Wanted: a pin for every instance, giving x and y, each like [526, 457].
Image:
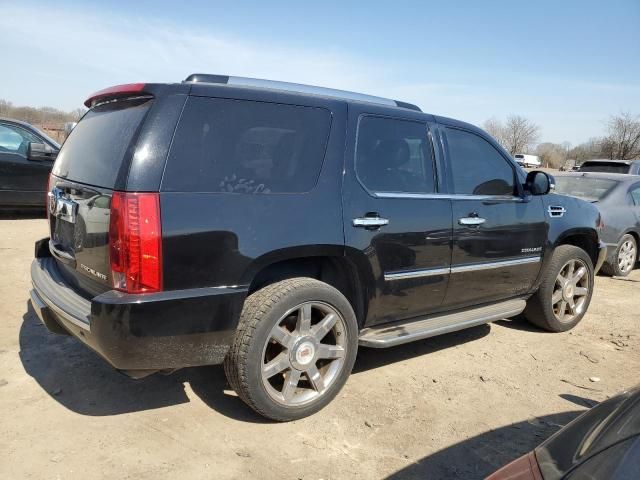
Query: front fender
[579, 218]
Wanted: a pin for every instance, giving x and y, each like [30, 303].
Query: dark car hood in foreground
[610, 422]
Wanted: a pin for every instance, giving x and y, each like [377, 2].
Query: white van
[527, 160]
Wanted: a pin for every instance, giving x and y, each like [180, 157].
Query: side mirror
[539, 183]
[41, 152]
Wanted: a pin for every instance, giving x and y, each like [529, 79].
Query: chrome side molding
[491, 265]
[416, 273]
[430, 272]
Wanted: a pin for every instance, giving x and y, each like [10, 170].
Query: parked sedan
[26, 158]
[603, 443]
[618, 199]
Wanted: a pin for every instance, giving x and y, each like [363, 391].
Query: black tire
[540, 308]
[613, 269]
[263, 310]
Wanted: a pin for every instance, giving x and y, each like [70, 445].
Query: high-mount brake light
[125, 90]
[135, 242]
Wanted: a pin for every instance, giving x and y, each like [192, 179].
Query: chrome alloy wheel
[571, 290]
[627, 254]
[304, 354]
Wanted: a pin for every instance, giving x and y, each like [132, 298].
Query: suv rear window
[242, 146]
[608, 167]
[96, 148]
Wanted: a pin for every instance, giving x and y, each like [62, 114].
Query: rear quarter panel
[224, 239]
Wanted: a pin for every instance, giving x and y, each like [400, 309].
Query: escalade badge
[531, 250]
[93, 272]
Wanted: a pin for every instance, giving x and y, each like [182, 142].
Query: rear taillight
[135, 242]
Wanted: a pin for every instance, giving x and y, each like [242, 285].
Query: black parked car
[274, 227]
[603, 443]
[618, 199]
[26, 158]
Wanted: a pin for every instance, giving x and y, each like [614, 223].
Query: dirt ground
[457, 406]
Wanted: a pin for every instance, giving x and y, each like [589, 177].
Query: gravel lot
[457, 406]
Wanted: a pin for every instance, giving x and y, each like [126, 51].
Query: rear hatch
[92, 163]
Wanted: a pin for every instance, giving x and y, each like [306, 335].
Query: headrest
[391, 153]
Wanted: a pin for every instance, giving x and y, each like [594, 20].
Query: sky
[566, 65]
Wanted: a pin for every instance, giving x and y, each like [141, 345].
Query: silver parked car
[618, 199]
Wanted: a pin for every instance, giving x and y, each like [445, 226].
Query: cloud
[88, 51]
[105, 49]
[83, 50]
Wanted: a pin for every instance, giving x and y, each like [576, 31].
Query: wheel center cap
[568, 291]
[305, 353]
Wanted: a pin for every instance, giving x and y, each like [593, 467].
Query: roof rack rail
[295, 87]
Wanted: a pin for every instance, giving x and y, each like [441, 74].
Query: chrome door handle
[471, 221]
[370, 222]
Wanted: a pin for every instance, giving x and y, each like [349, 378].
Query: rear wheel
[564, 295]
[294, 348]
[624, 258]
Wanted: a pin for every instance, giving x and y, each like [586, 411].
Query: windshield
[607, 167]
[591, 189]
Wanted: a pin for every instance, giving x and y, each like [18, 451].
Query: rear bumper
[602, 256]
[140, 333]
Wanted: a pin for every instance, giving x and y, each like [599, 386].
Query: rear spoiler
[125, 90]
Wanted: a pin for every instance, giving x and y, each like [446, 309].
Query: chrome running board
[397, 333]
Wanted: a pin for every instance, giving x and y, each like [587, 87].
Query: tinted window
[635, 194]
[608, 167]
[586, 188]
[394, 156]
[15, 140]
[96, 147]
[477, 168]
[240, 146]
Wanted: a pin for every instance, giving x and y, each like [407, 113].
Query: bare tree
[519, 134]
[587, 150]
[623, 139]
[77, 114]
[552, 154]
[494, 127]
[516, 135]
[38, 116]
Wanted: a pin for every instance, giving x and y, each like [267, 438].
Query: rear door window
[394, 155]
[97, 147]
[250, 147]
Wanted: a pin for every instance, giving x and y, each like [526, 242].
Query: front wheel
[565, 293]
[294, 348]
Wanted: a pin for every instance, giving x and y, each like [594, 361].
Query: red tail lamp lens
[135, 242]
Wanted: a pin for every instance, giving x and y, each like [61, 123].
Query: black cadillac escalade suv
[275, 227]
